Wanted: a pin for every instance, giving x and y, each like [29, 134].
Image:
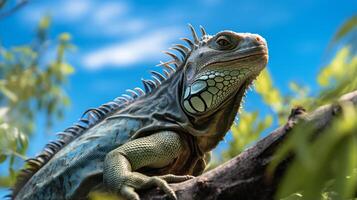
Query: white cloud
[143, 49]
[74, 10]
[65, 11]
[106, 18]
[127, 26]
[109, 12]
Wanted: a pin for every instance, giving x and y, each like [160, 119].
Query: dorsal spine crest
[93, 116]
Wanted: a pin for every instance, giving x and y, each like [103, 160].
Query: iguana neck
[222, 120]
[164, 110]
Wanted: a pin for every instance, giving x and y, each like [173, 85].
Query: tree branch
[244, 177]
[12, 10]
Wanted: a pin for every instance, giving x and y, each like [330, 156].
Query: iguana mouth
[260, 52]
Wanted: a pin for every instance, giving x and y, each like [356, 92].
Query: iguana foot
[136, 181]
[171, 178]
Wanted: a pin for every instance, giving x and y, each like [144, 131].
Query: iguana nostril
[258, 39]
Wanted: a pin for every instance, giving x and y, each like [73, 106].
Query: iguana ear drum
[210, 89]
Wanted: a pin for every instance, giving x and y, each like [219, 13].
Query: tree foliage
[31, 82]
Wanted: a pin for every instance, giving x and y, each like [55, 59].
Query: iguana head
[217, 72]
[219, 67]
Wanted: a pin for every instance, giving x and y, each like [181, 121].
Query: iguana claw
[136, 181]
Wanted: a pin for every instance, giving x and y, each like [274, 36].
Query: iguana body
[153, 137]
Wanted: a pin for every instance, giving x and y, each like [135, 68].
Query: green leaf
[44, 23]
[344, 169]
[346, 28]
[2, 158]
[29, 87]
[9, 94]
[335, 69]
[66, 69]
[65, 37]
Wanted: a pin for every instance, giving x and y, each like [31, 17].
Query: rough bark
[244, 177]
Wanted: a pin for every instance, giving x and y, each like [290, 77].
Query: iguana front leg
[155, 151]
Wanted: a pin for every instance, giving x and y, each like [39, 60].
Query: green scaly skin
[155, 151]
[156, 137]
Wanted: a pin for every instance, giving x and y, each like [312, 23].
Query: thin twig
[13, 9]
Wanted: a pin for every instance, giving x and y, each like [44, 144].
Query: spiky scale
[121, 99]
[66, 134]
[167, 74]
[179, 50]
[104, 109]
[130, 98]
[97, 113]
[80, 126]
[184, 48]
[52, 146]
[114, 104]
[34, 162]
[57, 143]
[140, 91]
[152, 84]
[158, 75]
[91, 115]
[167, 62]
[100, 111]
[194, 34]
[87, 111]
[41, 159]
[167, 66]
[176, 65]
[26, 171]
[34, 159]
[190, 43]
[203, 31]
[108, 106]
[44, 155]
[72, 129]
[84, 121]
[49, 151]
[133, 93]
[176, 59]
[156, 80]
[146, 85]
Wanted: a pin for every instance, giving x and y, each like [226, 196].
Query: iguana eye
[223, 41]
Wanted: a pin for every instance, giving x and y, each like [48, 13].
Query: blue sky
[119, 41]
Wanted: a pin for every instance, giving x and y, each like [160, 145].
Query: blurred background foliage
[31, 84]
[32, 81]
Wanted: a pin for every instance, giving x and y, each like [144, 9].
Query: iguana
[156, 136]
